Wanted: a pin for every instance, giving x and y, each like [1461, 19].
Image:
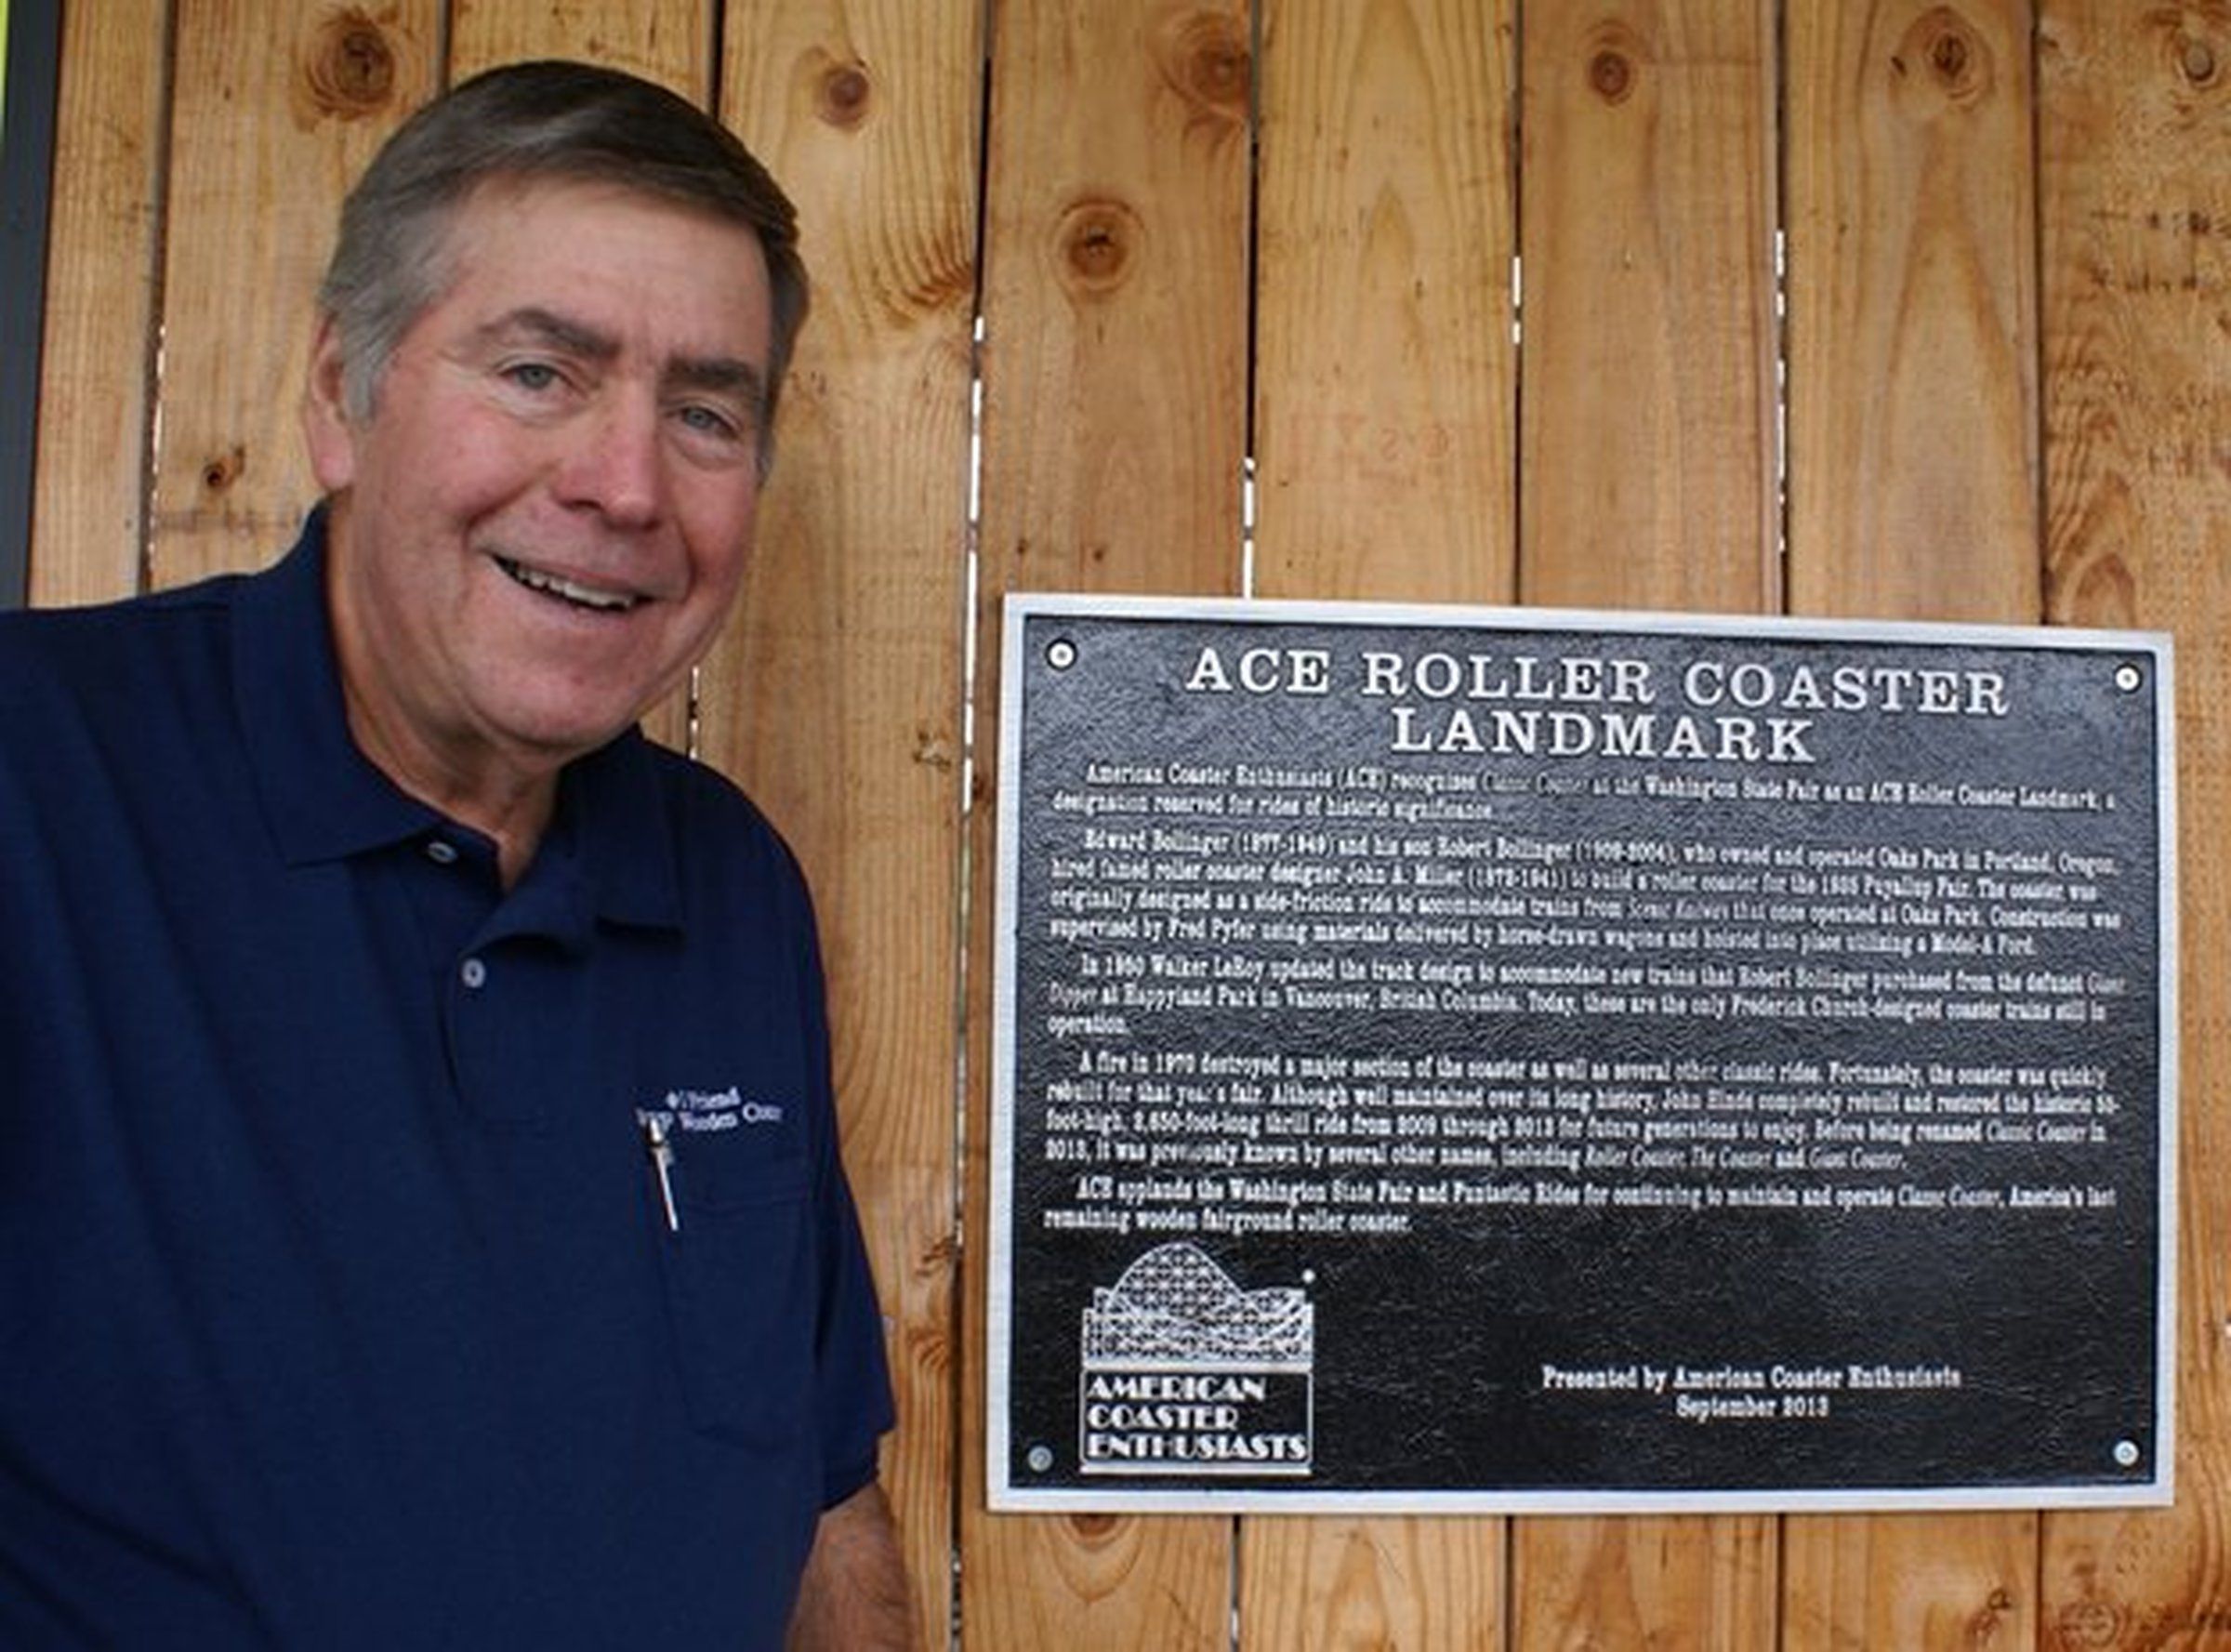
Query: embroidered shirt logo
[698, 1111]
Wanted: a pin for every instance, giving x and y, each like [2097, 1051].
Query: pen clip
[660, 1145]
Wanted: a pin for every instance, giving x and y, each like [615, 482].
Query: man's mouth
[567, 590]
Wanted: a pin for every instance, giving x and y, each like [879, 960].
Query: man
[420, 1218]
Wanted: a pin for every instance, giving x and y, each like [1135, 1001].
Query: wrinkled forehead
[562, 245]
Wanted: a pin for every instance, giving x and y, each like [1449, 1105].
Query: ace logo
[1186, 1373]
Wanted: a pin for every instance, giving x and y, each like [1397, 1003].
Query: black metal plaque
[1451, 1060]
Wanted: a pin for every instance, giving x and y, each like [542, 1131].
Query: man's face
[543, 521]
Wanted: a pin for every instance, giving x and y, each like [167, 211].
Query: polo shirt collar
[324, 801]
[622, 834]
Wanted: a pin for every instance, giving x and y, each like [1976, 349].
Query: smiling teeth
[581, 596]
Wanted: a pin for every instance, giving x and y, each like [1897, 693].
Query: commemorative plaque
[1452, 1059]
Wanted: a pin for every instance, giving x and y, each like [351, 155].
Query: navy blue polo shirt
[387, 1261]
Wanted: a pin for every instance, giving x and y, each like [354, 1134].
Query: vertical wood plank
[1913, 487]
[1679, 1583]
[1912, 310]
[2135, 158]
[1647, 479]
[1910, 1580]
[1115, 295]
[1331, 1583]
[1386, 374]
[88, 518]
[277, 108]
[667, 41]
[1386, 401]
[1114, 417]
[1647, 422]
[836, 696]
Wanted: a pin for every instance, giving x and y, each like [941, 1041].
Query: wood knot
[1097, 240]
[932, 748]
[2089, 1623]
[845, 95]
[1948, 57]
[2197, 62]
[349, 71]
[1203, 56]
[1613, 56]
[1219, 73]
[1953, 58]
[1092, 1528]
[1611, 75]
[222, 473]
[1986, 1627]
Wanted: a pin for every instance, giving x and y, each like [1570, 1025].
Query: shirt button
[442, 853]
[474, 974]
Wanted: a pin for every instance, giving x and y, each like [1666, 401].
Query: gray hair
[574, 122]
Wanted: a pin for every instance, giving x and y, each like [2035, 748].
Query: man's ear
[327, 430]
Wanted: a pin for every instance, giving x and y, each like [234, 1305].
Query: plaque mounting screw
[1061, 654]
[1041, 1458]
[2126, 1454]
[2128, 677]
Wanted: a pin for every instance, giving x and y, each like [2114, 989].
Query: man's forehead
[512, 247]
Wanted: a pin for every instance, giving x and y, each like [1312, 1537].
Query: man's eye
[709, 421]
[532, 376]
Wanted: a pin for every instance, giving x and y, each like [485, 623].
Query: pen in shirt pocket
[660, 1145]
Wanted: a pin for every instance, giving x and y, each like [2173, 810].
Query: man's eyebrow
[544, 326]
[720, 375]
[727, 376]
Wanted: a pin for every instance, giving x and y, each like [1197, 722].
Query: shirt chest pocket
[738, 1252]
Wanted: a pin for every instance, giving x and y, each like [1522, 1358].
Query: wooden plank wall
[1864, 306]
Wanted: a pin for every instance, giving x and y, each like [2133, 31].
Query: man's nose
[617, 466]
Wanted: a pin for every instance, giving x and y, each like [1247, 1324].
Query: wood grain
[667, 41]
[104, 246]
[277, 107]
[1115, 421]
[1331, 1582]
[2135, 205]
[1680, 1583]
[1647, 192]
[1385, 368]
[1912, 311]
[1940, 1581]
[836, 696]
